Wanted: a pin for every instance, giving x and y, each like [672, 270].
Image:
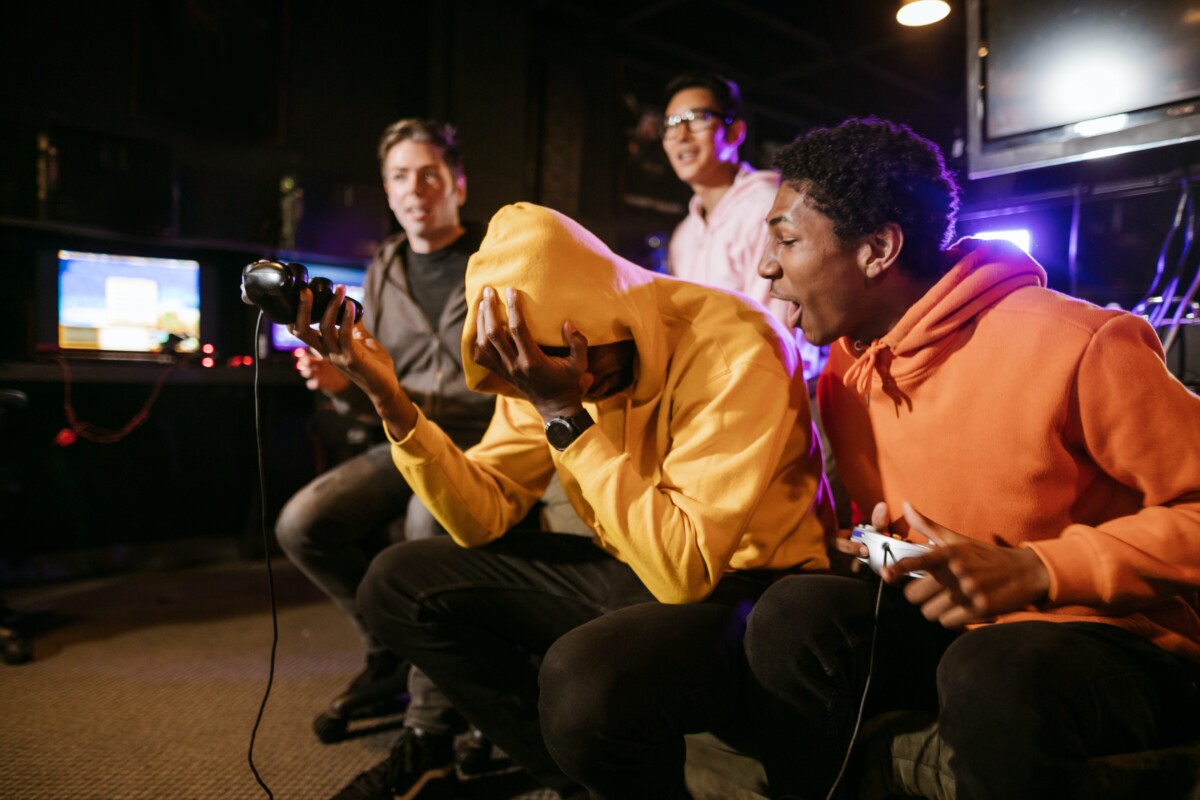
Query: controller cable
[862, 703]
[262, 490]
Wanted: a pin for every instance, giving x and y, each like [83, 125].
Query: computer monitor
[351, 277]
[1058, 81]
[124, 305]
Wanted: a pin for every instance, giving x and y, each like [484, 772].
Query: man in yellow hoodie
[1059, 458]
[676, 417]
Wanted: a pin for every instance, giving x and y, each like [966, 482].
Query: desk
[271, 373]
[189, 472]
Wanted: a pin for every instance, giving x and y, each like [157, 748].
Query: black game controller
[276, 287]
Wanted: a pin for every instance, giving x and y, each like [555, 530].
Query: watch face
[560, 433]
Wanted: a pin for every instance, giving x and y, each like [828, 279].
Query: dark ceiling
[798, 63]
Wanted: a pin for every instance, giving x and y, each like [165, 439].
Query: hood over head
[563, 272]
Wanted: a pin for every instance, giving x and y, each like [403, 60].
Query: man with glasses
[722, 239]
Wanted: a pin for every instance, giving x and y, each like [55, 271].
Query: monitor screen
[1054, 62]
[127, 304]
[1057, 81]
[351, 277]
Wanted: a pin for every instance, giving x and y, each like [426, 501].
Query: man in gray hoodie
[414, 303]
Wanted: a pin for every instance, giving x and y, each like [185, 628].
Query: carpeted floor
[147, 686]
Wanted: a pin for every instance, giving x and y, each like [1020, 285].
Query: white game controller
[884, 549]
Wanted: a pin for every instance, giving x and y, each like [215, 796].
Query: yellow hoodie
[1013, 414]
[707, 463]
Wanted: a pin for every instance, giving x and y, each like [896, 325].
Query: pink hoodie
[724, 249]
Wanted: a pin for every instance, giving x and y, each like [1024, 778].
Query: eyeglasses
[696, 119]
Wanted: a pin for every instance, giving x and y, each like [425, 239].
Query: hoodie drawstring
[859, 374]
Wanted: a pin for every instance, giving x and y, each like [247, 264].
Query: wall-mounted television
[119, 305]
[351, 277]
[1057, 81]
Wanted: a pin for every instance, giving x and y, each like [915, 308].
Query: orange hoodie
[1016, 415]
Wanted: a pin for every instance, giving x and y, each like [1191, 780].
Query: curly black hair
[867, 172]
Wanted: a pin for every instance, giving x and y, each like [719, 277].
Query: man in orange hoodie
[1057, 616]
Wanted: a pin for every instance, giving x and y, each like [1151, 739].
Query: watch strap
[562, 431]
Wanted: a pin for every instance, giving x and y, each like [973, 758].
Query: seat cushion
[901, 755]
[716, 771]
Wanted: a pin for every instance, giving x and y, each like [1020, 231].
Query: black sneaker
[420, 765]
[380, 690]
[475, 755]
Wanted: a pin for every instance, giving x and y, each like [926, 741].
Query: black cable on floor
[262, 490]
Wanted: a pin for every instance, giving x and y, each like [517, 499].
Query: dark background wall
[186, 128]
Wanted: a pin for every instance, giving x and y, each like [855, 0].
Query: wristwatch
[561, 431]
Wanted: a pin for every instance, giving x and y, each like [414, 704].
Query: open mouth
[794, 310]
[794, 313]
[686, 156]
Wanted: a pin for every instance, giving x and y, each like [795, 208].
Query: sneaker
[475, 755]
[420, 765]
[378, 691]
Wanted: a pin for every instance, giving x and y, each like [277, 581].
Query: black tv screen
[1055, 81]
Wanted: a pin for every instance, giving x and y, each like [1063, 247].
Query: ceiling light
[921, 12]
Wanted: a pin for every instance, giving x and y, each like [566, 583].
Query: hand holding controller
[276, 287]
[884, 549]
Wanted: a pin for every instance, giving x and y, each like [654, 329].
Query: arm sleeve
[479, 494]
[753, 234]
[677, 245]
[1142, 428]
[678, 533]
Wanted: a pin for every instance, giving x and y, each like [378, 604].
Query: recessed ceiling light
[921, 12]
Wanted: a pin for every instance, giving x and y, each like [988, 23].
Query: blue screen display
[127, 303]
[351, 277]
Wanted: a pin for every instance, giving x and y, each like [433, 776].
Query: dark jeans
[1022, 705]
[332, 528]
[334, 525]
[622, 677]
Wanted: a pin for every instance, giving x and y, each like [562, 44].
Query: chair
[901, 755]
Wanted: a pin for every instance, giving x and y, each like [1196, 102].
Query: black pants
[1021, 705]
[622, 677]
